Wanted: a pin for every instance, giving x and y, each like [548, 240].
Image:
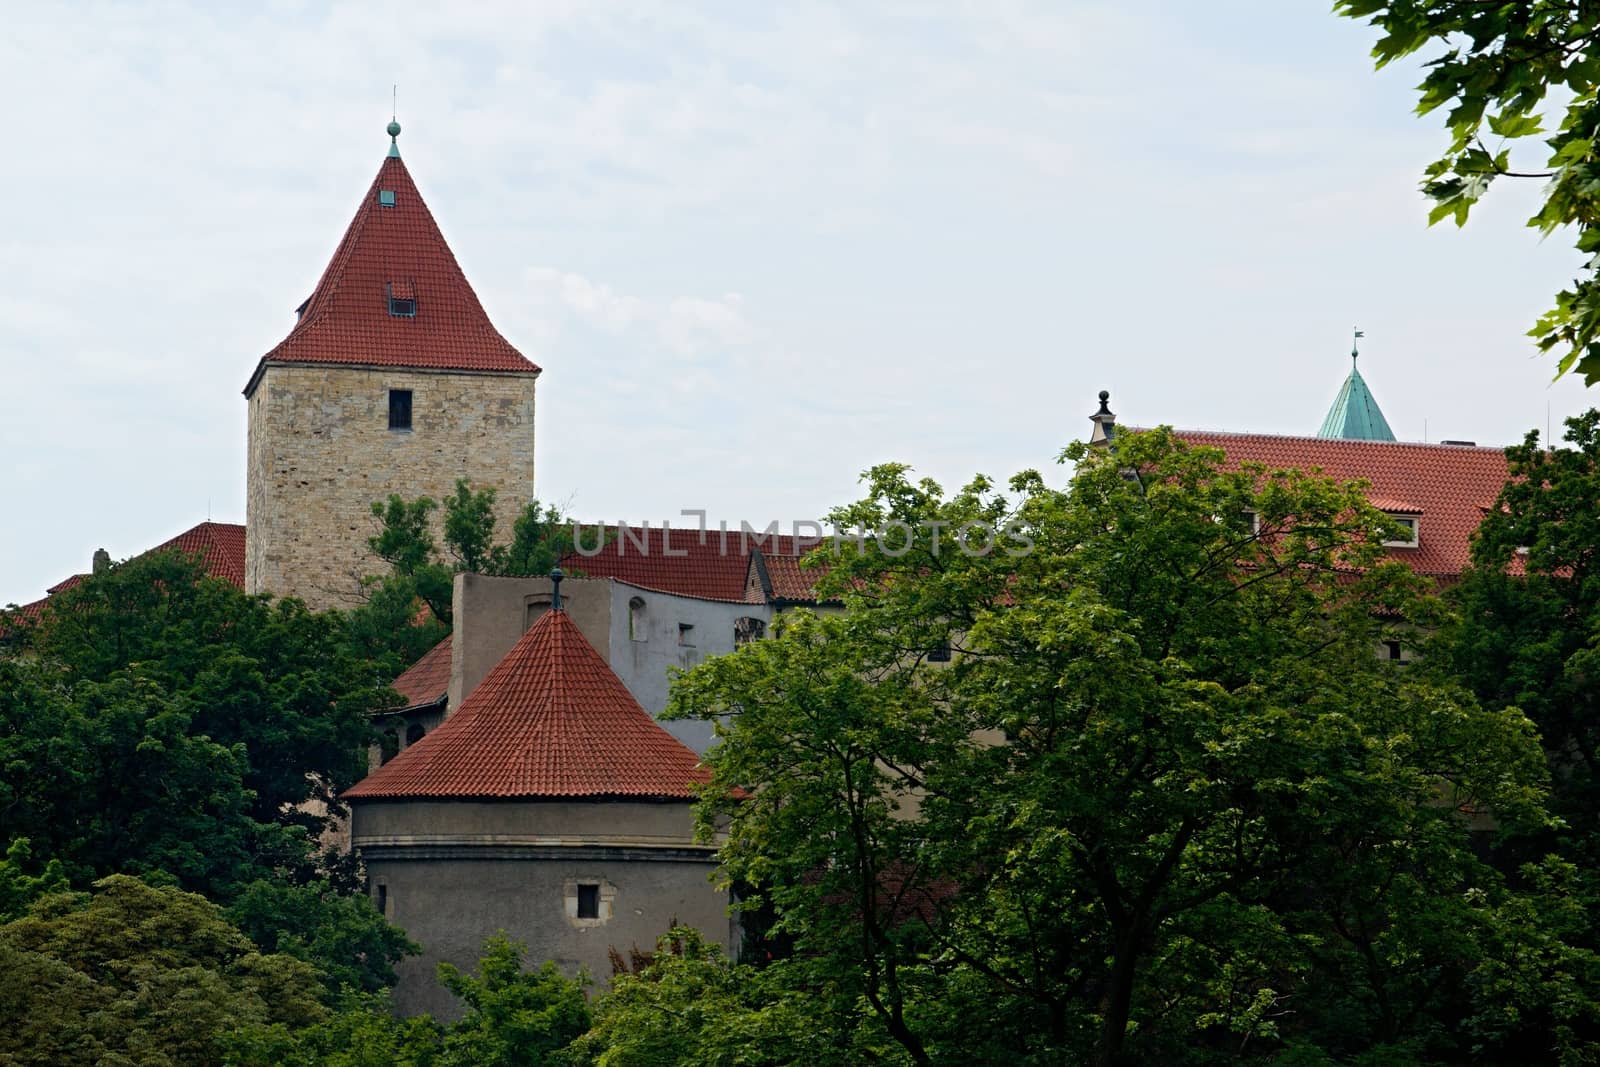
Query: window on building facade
[399, 409]
[940, 653]
[386, 198]
[383, 899]
[686, 633]
[588, 901]
[636, 626]
[747, 629]
[1410, 524]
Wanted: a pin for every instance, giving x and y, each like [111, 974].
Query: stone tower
[393, 380]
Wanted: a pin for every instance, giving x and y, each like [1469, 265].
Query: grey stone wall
[454, 873]
[320, 452]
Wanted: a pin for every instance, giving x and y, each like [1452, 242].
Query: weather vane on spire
[394, 124]
[1355, 347]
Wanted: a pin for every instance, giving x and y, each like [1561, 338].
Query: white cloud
[687, 325]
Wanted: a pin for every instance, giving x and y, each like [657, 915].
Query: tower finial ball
[394, 129]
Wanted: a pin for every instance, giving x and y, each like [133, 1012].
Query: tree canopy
[1165, 804]
[161, 723]
[1510, 73]
[540, 537]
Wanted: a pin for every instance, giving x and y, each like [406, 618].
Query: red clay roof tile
[551, 720]
[395, 251]
[427, 680]
[710, 566]
[1447, 485]
[220, 546]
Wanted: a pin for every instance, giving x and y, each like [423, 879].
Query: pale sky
[755, 250]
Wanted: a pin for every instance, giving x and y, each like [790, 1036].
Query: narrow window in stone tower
[588, 902]
[383, 899]
[399, 409]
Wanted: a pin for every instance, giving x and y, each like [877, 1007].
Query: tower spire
[1355, 414]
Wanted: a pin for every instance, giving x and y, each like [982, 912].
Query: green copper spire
[1355, 415]
[394, 142]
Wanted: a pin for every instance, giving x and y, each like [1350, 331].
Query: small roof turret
[1355, 415]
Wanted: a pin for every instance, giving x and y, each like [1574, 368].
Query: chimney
[102, 561]
[1105, 423]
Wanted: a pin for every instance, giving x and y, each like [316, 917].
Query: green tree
[1505, 70]
[1528, 611]
[18, 889]
[133, 973]
[691, 1005]
[269, 682]
[340, 934]
[514, 1017]
[540, 539]
[1164, 791]
[166, 725]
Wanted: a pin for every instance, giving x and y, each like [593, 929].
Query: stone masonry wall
[321, 451]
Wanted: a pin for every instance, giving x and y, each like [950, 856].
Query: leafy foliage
[168, 722]
[133, 973]
[1497, 68]
[514, 1018]
[1165, 806]
[418, 571]
[342, 935]
[690, 1005]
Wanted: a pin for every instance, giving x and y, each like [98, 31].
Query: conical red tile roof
[395, 250]
[551, 720]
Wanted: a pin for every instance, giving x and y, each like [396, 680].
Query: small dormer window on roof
[402, 300]
[386, 198]
[1410, 525]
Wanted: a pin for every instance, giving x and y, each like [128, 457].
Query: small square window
[686, 633]
[386, 198]
[399, 409]
[1409, 524]
[941, 654]
[402, 308]
[1252, 519]
[588, 902]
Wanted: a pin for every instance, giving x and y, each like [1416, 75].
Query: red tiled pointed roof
[220, 546]
[551, 720]
[1447, 485]
[428, 679]
[397, 251]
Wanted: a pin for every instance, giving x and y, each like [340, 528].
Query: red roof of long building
[550, 721]
[395, 251]
[1448, 487]
[711, 566]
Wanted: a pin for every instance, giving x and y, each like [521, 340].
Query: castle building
[549, 805]
[393, 380]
